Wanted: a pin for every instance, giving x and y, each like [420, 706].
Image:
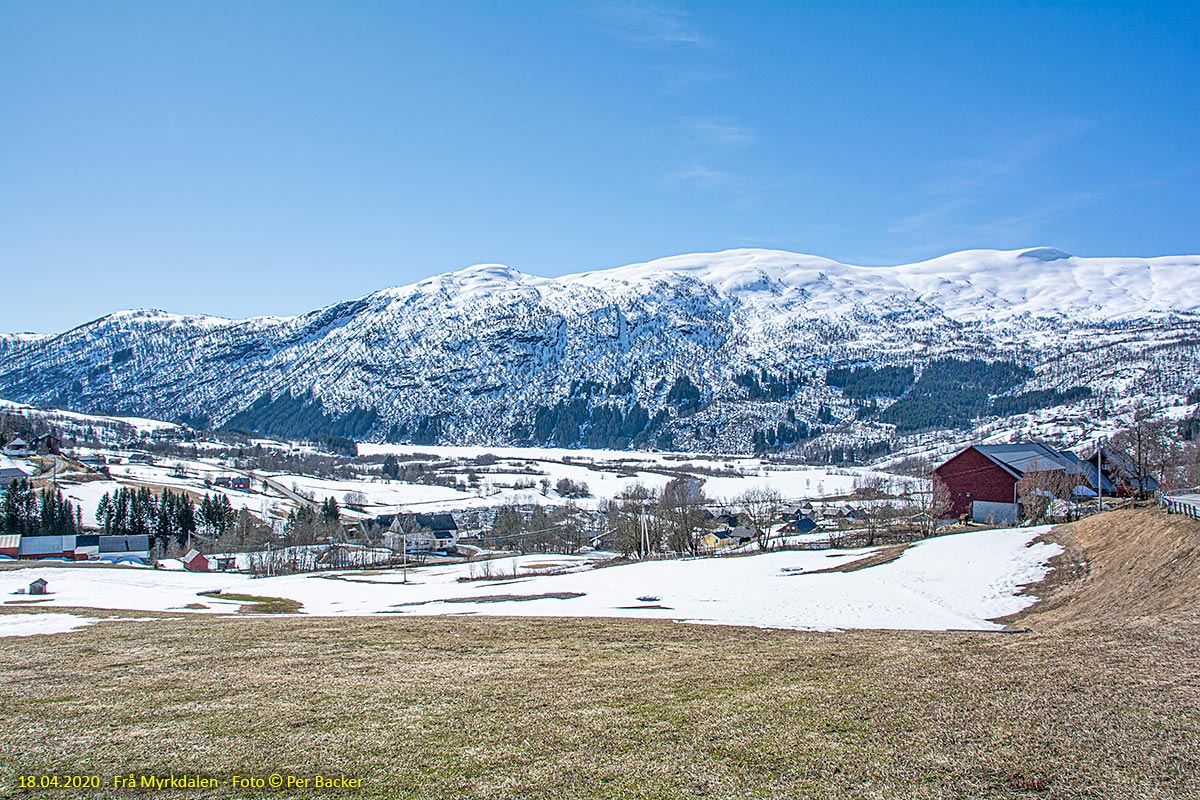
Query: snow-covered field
[516, 476]
[950, 582]
[141, 424]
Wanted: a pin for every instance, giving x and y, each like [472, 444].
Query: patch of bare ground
[498, 598]
[884, 555]
[253, 604]
[1101, 701]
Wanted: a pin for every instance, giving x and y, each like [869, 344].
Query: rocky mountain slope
[730, 351]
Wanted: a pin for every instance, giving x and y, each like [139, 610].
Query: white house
[18, 448]
[422, 532]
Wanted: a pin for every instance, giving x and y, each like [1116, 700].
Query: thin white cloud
[719, 130]
[935, 216]
[701, 176]
[684, 78]
[1002, 178]
[1027, 223]
[941, 224]
[650, 24]
[971, 175]
[735, 190]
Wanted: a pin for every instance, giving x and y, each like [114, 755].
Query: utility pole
[1099, 473]
[645, 534]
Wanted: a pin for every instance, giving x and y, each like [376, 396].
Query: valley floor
[1100, 700]
[959, 581]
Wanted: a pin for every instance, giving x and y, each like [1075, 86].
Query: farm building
[981, 481]
[38, 586]
[83, 546]
[223, 563]
[239, 482]
[48, 443]
[1122, 472]
[47, 547]
[116, 547]
[87, 545]
[17, 447]
[10, 472]
[422, 532]
[10, 545]
[799, 525]
[195, 561]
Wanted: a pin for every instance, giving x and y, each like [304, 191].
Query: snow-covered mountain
[723, 351]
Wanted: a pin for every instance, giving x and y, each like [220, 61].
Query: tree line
[169, 519]
[27, 512]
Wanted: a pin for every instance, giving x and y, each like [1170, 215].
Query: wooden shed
[195, 561]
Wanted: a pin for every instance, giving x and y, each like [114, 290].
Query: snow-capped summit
[701, 348]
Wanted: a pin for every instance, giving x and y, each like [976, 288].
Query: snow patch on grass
[34, 624]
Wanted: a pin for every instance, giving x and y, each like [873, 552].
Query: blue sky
[273, 157]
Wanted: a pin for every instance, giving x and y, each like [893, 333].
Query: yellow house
[719, 540]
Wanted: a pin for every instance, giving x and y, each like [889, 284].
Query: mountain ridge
[713, 350]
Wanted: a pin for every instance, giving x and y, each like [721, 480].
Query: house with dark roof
[799, 525]
[981, 481]
[727, 537]
[10, 472]
[1121, 472]
[438, 523]
[48, 443]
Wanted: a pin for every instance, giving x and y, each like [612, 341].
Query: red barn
[10, 545]
[195, 561]
[981, 481]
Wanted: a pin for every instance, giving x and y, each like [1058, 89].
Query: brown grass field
[1101, 700]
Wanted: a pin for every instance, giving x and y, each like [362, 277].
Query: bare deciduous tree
[1152, 448]
[625, 520]
[1040, 485]
[761, 506]
[680, 509]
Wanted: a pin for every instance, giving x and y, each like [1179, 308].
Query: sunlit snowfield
[953, 582]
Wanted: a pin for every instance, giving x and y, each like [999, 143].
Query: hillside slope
[1137, 567]
[734, 351]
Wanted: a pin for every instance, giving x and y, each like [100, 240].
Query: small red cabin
[195, 561]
